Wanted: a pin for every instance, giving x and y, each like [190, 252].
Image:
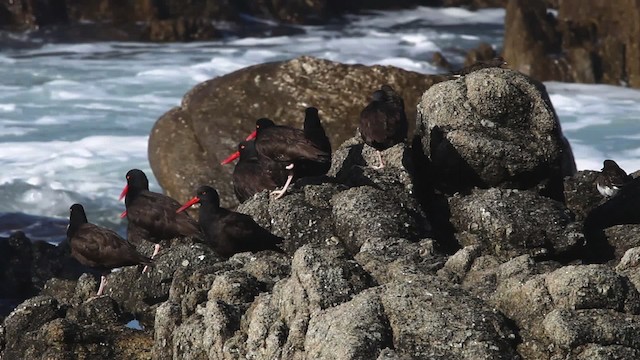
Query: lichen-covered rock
[592, 287]
[580, 193]
[357, 329]
[433, 320]
[389, 259]
[569, 329]
[363, 212]
[493, 127]
[41, 329]
[508, 223]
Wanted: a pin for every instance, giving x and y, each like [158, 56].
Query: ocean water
[75, 117]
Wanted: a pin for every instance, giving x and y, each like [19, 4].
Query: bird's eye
[204, 192]
[127, 177]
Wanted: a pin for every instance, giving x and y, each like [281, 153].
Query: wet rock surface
[368, 273]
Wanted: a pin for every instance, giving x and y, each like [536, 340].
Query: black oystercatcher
[482, 64]
[229, 232]
[289, 147]
[152, 216]
[99, 248]
[611, 179]
[314, 131]
[383, 123]
[252, 175]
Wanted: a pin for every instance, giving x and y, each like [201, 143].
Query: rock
[390, 259]
[493, 128]
[364, 212]
[294, 218]
[531, 39]
[592, 287]
[182, 29]
[25, 320]
[475, 4]
[357, 329]
[482, 52]
[509, 223]
[139, 293]
[575, 46]
[580, 193]
[25, 267]
[628, 266]
[623, 238]
[439, 60]
[600, 352]
[217, 114]
[424, 312]
[569, 329]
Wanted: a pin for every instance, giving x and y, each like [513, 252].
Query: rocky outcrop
[493, 128]
[590, 42]
[217, 114]
[367, 275]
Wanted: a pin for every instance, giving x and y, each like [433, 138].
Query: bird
[314, 131]
[99, 248]
[287, 147]
[229, 232]
[383, 122]
[478, 65]
[152, 216]
[611, 179]
[251, 176]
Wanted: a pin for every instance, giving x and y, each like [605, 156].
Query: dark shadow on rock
[353, 165]
[434, 204]
[620, 209]
[450, 165]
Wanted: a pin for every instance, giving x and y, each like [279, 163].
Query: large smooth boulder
[493, 128]
[187, 143]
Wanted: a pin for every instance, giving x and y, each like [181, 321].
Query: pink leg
[156, 250]
[381, 166]
[280, 193]
[103, 282]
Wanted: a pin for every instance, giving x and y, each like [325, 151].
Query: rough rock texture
[41, 328]
[493, 127]
[508, 223]
[588, 41]
[552, 309]
[367, 275]
[581, 194]
[217, 114]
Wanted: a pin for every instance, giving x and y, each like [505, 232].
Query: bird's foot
[278, 193]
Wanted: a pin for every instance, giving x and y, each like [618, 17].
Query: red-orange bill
[188, 204]
[124, 192]
[231, 157]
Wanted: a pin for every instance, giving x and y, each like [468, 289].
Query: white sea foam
[7, 107]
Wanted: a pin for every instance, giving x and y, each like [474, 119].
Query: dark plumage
[250, 176]
[314, 131]
[482, 64]
[383, 123]
[227, 231]
[98, 247]
[611, 179]
[152, 216]
[289, 147]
